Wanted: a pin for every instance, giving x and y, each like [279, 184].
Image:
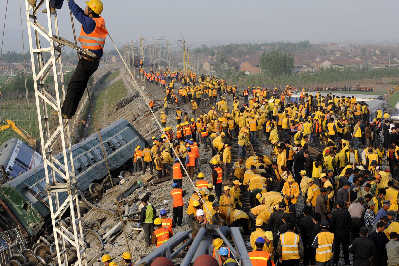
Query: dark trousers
[77, 85]
[178, 215]
[179, 182]
[344, 241]
[218, 189]
[290, 263]
[149, 165]
[148, 228]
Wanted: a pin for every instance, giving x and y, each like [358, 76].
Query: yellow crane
[24, 135]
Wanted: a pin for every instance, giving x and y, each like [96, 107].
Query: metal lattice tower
[54, 133]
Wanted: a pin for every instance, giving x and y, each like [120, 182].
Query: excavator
[24, 135]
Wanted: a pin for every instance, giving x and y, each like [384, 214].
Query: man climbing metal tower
[92, 37]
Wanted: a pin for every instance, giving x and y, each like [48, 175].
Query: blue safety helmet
[174, 185]
[162, 212]
[260, 240]
[223, 251]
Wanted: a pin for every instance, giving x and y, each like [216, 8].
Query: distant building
[248, 69]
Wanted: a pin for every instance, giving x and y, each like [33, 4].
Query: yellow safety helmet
[95, 5]
[201, 175]
[196, 203]
[158, 221]
[126, 256]
[113, 264]
[105, 258]
[217, 243]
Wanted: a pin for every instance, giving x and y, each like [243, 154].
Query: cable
[4, 29]
[146, 100]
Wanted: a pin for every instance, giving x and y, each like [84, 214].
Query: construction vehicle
[9, 124]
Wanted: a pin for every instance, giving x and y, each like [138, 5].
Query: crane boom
[25, 136]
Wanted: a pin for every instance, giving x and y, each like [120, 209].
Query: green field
[24, 116]
[393, 99]
[105, 101]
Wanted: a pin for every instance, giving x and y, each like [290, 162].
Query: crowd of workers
[305, 177]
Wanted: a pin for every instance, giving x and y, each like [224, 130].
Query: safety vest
[331, 131]
[147, 155]
[162, 235]
[191, 159]
[179, 134]
[259, 258]
[252, 125]
[204, 134]
[219, 178]
[289, 246]
[392, 196]
[372, 157]
[316, 172]
[96, 39]
[177, 196]
[201, 184]
[177, 174]
[149, 214]
[167, 223]
[358, 132]
[284, 123]
[187, 131]
[324, 246]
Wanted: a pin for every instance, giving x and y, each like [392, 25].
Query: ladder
[45, 51]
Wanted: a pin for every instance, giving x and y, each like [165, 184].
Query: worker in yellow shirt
[235, 193]
[392, 194]
[313, 192]
[163, 118]
[267, 235]
[290, 191]
[226, 203]
[227, 161]
[147, 158]
[281, 157]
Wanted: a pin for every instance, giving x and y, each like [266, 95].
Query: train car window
[121, 140]
[115, 142]
[90, 157]
[85, 161]
[97, 154]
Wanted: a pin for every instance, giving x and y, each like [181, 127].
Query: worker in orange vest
[219, 180]
[259, 257]
[138, 159]
[160, 235]
[166, 222]
[151, 104]
[92, 37]
[190, 161]
[201, 183]
[177, 173]
[177, 204]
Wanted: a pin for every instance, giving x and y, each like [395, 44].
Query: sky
[230, 21]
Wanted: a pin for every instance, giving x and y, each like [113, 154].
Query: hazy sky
[224, 21]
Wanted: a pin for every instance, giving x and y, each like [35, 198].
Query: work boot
[52, 10]
[32, 2]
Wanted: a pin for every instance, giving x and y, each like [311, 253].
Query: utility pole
[142, 48]
[168, 54]
[184, 57]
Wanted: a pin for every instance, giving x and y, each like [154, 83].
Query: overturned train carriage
[23, 200]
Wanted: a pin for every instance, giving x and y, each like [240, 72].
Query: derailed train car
[23, 200]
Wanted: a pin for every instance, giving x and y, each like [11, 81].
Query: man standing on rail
[92, 37]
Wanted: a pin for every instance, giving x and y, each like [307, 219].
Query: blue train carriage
[17, 157]
[29, 189]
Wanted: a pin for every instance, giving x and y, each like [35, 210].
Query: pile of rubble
[112, 224]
